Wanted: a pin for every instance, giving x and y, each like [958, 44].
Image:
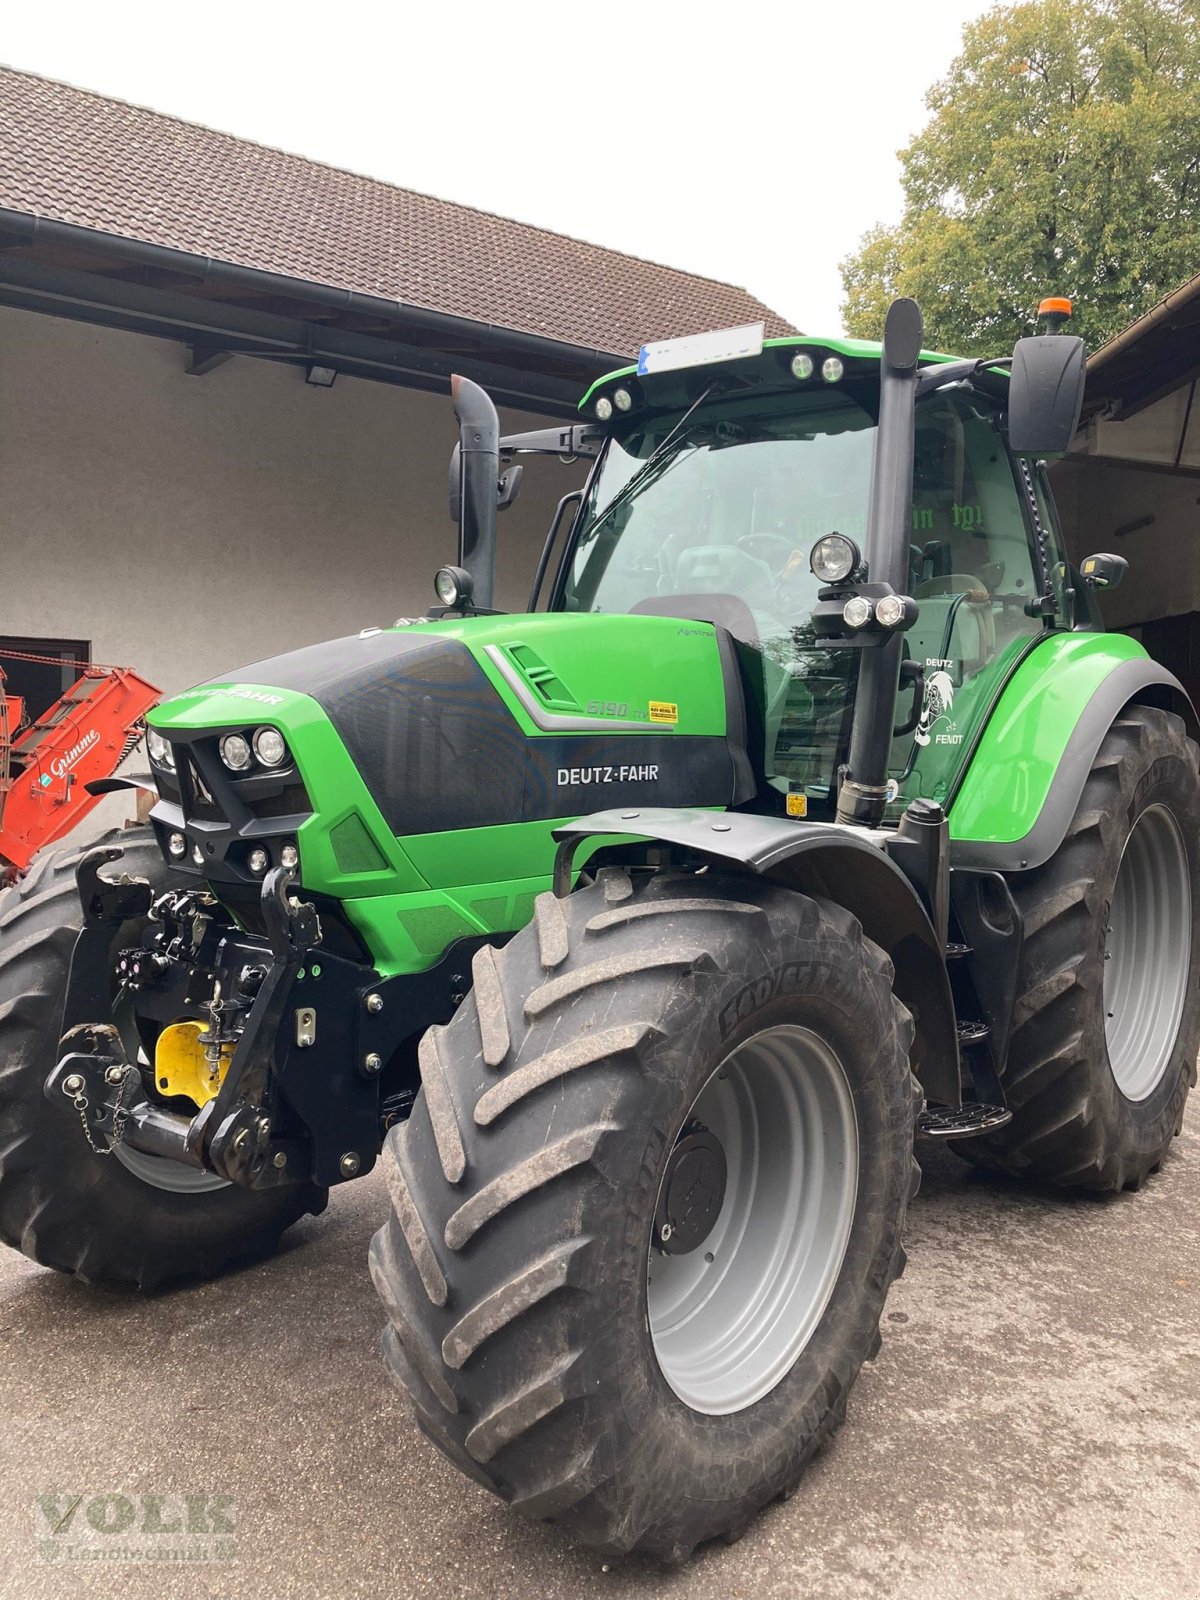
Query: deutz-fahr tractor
[638, 935]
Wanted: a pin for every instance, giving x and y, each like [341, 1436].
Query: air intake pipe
[474, 472]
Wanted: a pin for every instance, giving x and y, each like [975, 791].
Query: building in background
[1131, 484]
[224, 377]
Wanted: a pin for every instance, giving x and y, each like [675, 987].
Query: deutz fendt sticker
[935, 714]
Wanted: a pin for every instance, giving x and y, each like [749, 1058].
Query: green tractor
[639, 935]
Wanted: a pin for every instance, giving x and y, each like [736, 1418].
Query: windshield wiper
[663, 453]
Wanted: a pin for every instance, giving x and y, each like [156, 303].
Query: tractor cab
[732, 485]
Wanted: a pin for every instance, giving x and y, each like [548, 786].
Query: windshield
[723, 515]
[731, 506]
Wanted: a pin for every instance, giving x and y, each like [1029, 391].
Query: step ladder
[973, 1117]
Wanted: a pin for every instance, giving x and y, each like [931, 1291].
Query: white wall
[187, 526]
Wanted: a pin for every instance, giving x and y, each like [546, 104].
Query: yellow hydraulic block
[182, 1065]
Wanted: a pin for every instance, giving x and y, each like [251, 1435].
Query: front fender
[847, 865]
[1024, 781]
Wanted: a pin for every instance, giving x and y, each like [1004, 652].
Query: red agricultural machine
[49, 767]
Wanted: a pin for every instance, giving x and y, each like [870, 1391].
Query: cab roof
[771, 369]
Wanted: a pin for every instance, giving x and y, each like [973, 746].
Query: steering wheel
[763, 546]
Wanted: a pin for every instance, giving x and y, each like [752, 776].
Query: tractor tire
[125, 1219]
[597, 1315]
[1106, 1026]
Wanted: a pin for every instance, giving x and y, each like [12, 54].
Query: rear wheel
[127, 1218]
[1107, 1020]
[649, 1204]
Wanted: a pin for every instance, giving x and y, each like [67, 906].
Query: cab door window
[974, 578]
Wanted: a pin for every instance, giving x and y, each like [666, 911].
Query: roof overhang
[1152, 357]
[218, 309]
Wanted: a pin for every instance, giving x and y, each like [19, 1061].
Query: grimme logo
[62, 764]
[136, 1527]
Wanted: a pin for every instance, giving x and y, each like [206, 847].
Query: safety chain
[130, 1080]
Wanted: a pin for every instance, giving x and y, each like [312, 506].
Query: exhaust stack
[474, 473]
[862, 795]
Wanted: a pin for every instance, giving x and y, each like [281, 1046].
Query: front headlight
[235, 751]
[159, 750]
[270, 747]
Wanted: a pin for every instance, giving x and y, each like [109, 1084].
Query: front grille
[226, 814]
[291, 801]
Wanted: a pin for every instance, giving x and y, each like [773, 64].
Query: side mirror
[507, 490]
[1103, 571]
[509, 487]
[1045, 394]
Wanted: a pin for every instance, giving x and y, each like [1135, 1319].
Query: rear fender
[844, 864]
[1027, 774]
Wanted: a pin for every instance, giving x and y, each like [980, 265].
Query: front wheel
[649, 1204]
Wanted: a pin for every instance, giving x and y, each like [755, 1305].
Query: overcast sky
[752, 142]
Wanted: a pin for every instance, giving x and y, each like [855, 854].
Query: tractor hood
[446, 726]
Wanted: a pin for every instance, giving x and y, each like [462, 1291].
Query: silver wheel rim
[1147, 953]
[170, 1175]
[729, 1320]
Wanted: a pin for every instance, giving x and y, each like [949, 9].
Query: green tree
[1062, 156]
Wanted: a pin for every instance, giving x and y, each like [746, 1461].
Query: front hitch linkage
[231, 1135]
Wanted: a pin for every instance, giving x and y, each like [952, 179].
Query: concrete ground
[1031, 1428]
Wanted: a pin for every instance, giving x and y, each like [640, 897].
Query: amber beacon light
[1056, 309]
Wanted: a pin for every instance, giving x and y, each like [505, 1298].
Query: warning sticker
[664, 711]
[797, 805]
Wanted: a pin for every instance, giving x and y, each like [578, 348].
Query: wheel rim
[1147, 953]
[729, 1319]
[160, 1173]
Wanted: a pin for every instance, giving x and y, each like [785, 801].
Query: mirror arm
[571, 440]
[977, 373]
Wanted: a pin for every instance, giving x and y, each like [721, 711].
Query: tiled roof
[81, 158]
